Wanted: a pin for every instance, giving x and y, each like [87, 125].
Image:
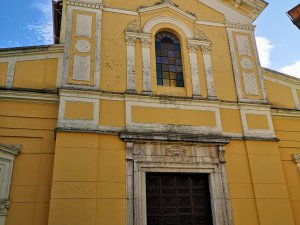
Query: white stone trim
[236, 70]
[157, 127]
[208, 23]
[166, 19]
[120, 11]
[5, 94]
[7, 155]
[195, 74]
[10, 74]
[295, 97]
[231, 14]
[169, 6]
[296, 159]
[140, 159]
[206, 52]
[97, 40]
[293, 88]
[13, 60]
[146, 55]
[259, 70]
[72, 123]
[131, 65]
[265, 133]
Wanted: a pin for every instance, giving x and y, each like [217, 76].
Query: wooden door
[178, 199]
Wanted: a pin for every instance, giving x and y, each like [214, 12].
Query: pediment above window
[168, 4]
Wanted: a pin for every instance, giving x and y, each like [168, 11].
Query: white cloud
[293, 70]
[41, 30]
[264, 47]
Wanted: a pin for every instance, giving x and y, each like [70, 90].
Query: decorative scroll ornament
[192, 47]
[206, 49]
[4, 206]
[134, 26]
[130, 40]
[169, 2]
[146, 42]
[200, 36]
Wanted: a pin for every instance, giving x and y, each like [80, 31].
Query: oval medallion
[82, 46]
[247, 63]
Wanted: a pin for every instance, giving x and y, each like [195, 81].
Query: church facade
[149, 113]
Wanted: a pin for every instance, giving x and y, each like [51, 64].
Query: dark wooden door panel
[178, 199]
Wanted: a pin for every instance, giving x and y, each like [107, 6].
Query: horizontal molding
[120, 11]
[26, 95]
[32, 50]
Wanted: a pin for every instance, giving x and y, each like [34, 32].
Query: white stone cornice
[240, 26]
[86, 4]
[11, 149]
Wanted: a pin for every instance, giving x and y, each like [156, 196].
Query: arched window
[168, 60]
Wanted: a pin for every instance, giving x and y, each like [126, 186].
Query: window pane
[159, 74]
[172, 61]
[164, 53]
[178, 62]
[158, 67]
[165, 75]
[165, 60]
[177, 47]
[164, 46]
[177, 54]
[158, 59]
[171, 47]
[173, 76]
[179, 76]
[179, 83]
[160, 82]
[179, 68]
[165, 68]
[171, 54]
[172, 68]
[157, 45]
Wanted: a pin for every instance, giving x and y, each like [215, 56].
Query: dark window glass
[168, 60]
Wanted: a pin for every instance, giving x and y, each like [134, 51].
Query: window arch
[169, 69]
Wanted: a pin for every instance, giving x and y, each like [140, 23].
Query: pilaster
[81, 66]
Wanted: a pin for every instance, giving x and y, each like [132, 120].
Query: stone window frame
[139, 162]
[7, 156]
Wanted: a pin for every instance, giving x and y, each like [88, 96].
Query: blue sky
[25, 23]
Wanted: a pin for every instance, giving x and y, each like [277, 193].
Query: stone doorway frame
[167, 153]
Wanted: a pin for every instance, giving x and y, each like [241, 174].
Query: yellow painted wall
[279, 96]
[88, 180]
[288, 131]
[36, 74]
[255, 121]
[112, 113]
[257, 183]
[30, 124]
[113, 63]
[3, 73]
[221, 63]
[230, 125]
[172, 116]
[79, 110]
[202, 12]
